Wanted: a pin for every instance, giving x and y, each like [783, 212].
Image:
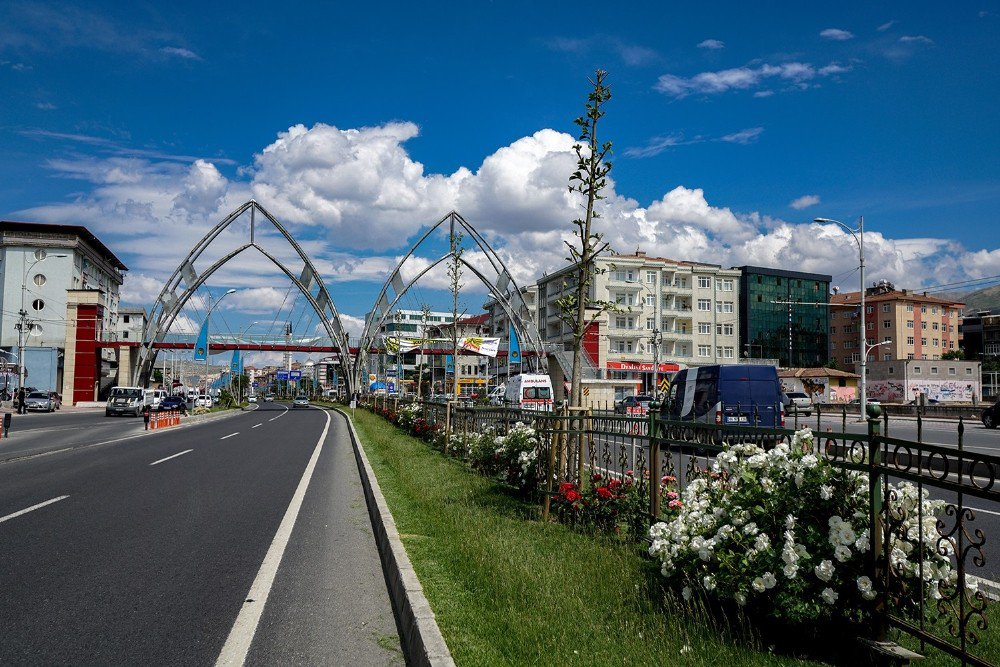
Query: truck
[129, 401]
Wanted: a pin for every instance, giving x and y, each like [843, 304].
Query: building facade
[902, 324]
[980, 333]
[38, 264]
[903, 380]
[784, 315]
[668, 315]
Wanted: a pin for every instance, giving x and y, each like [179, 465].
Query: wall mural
[894, 391]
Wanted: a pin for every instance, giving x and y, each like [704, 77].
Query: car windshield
[301, 398]
[794, 394]
[37, 394]
[119, 392]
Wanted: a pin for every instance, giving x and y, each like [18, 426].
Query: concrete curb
[423, 643]
[988, 587]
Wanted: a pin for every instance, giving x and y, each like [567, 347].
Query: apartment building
[678, 313]
[899, 325]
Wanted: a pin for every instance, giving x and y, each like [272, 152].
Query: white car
[798, 402]
[251, 399]
[203, 401]
[301, 401]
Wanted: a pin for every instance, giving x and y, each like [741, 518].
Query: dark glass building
[784, 315]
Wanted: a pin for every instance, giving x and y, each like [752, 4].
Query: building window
[705, 305]
[934, 370]
[886, 308]
[39, 279]
[916, 370]
[886, 324]
[968, 371]
[910, 356]
[909, 324]
[125, 319]
[651, 300]
[729, 352]
[704, 350]
[651, 277]
[909, 307]
[886, 339]
[935, 342]
[124, 335]
[923, 309]
[952, 370]
[833, 345]
[624, 276]
[727, 307]
[870, 326]
[833, 330]
[887, 356]
[704, 282]
[909, 340]
[38, 304]
[869, 310]
[934, 310]
[728, 285]
[724, 329]
[934, 326]
[856, 357]
[704, 327]
[923, 341]
[650, 323]
[847, 360]
[923, 325]
[718, 352]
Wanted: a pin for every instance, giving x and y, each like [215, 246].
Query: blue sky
[734, 126]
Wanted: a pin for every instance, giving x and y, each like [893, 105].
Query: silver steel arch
[505, 290]
[169, 303]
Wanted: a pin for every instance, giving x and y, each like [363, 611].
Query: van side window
[704, 396]
[676, 401]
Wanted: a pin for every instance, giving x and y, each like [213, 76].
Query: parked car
[301, 401]
[39, 401]
[634, 405]
[173, 403]
[203, 401]
[797, 402]
[991, 416]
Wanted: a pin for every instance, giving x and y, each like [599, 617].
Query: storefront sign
[640, 366]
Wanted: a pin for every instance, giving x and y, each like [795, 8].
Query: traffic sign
[281, 375]
[294, 375]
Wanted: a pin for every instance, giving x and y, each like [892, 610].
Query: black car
[174, 403]
[634, 405]
[991, 415]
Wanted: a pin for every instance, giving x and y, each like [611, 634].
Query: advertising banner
[514, 348]
[201, 346]
[487, 347]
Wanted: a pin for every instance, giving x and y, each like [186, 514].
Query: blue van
[735, 394]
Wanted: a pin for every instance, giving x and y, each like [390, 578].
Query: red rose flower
[572, 496]
[604, 493]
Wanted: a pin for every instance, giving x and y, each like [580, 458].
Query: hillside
[984, 299]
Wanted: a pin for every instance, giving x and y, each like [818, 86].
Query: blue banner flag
[201, 347]
[514, 348]
[449, 364]
[236, 365]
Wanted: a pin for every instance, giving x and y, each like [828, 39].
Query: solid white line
[241, 636]
[229, 436]
[256, 425]
[32, 508]
[173, 456]
[976, 509]
[279, 416]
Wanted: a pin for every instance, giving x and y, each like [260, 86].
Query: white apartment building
[680, 313]
[498, 324]
[131, 323]
[38, 263]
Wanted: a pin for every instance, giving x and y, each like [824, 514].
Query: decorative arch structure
[186, 279]
[505, 290]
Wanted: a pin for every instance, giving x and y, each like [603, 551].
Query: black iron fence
[573, 445]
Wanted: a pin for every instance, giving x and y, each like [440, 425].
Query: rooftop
[69, 230]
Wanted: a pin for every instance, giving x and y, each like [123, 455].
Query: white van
[529, 391]
[128, 401]
[153, 397]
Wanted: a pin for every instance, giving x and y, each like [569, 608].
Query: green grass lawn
[510, 590]
[988, 647]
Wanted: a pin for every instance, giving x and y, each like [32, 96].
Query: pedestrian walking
[20, 402]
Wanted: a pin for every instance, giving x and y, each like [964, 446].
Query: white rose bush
[784, 534]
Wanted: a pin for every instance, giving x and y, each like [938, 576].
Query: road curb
[987, 587]
[423, 642]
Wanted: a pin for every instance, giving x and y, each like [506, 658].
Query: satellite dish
[836, 289]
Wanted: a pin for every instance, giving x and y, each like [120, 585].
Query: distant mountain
[984, 299]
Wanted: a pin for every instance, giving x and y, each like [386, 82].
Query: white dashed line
[256, 425]
[172, 456]
[31, 509]
[229, 436]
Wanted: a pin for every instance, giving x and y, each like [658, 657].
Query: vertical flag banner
[201, 347]
[449, 364]
[514, 348]
[236, 365]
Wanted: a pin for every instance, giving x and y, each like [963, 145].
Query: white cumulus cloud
[711, 44]
[836, 34]
[805, 201]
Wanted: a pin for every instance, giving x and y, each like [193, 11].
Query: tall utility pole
[288, 356]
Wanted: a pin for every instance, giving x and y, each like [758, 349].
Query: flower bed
[784, 534]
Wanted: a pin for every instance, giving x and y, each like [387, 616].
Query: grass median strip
[508, 589]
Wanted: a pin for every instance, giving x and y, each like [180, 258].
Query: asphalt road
[151, 549]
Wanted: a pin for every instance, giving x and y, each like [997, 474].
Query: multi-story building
[784, 315]
[674, 312]
[38, 264]
[980, 333]
[131, 323]
[899, 324]
[473, 370]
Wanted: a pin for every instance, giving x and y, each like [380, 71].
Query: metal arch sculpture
[505, 290]
[169, 303]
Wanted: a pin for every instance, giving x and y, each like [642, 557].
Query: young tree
[455, 285]
[589, 179]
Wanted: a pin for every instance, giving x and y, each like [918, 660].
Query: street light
[859, 238]
[24, 315]
[207, 337]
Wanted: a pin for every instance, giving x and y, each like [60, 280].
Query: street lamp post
[859, 238]
[207, 336]
[23, 317]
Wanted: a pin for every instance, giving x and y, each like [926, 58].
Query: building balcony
[676, 334]
[626, 332]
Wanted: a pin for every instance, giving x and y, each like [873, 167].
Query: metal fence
[575, 444]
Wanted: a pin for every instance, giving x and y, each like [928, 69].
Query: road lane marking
[173, 456]
[229, 436]
[241, 636]
[32, 508]
[279, 416]
[256, 425]
[977, 509]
